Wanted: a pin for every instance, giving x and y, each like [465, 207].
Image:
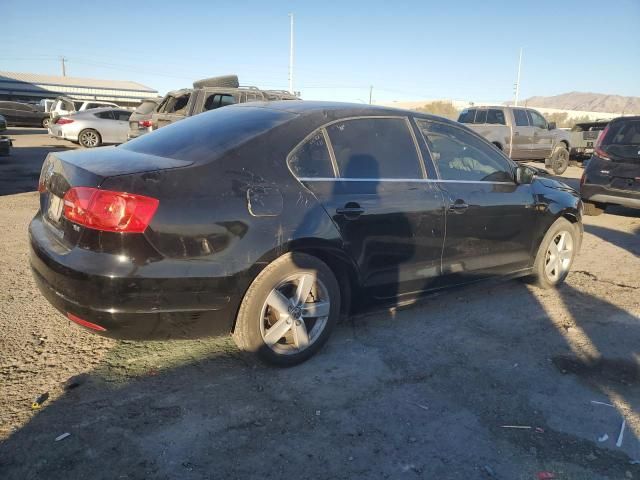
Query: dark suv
[209, 94]
[613, 173]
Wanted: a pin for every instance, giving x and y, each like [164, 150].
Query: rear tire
[89, 138]
[593, 209]
[560, 159]
[556, 254]
[289, 310]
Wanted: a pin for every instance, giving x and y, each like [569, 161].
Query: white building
[31, 87]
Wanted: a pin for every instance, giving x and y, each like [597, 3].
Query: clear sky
[465, 50]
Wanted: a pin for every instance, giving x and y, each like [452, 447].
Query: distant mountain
[588, 102]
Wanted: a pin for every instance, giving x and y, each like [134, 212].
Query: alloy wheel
[558, 256]
[90, 139]
[295, 313]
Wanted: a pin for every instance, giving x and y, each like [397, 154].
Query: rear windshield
[146, 107]
[622, 140]
[204, 137]
[625, 132]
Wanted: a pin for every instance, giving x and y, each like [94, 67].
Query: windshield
[205, 137]
[146, 107]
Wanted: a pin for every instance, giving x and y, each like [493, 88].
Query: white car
[93, 128]
[65, 106]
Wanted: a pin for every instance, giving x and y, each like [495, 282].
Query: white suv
[65, 106]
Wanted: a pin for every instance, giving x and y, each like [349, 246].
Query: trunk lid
[88, 168]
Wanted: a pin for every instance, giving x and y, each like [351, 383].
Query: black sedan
[24, 115]
[269, 221]
[612, 176]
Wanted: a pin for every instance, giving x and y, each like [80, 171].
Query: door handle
[350, 211]
[459, 206]
[516, 134]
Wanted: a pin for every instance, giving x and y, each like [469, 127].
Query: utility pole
[518, 80]
[291, 54]
[64, 71]
[370, 93]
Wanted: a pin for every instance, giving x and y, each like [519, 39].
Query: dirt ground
[423, 391]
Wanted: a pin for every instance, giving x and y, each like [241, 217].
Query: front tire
[289, 310]
[556, 254]
[560, 159]
[89, 138]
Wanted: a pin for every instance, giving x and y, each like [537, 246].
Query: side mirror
[524, 175]
[551, 125]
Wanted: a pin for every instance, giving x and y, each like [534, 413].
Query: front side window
[311, 159]
[467, 115]
[496, 117]
[374, 148]
[520, 117]
[461, 156]
[481, 117]
[537, 120]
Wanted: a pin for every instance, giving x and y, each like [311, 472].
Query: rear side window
[203, 138]
[374, 148]
[218, 100]
[481, 117]
[108, 115]
[467, 116]
[311, 159]
[520, 117]
[496, 117]
[461, 156]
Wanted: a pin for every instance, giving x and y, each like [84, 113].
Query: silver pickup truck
[522, 133]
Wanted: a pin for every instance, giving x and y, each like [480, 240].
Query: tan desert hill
[589, 102]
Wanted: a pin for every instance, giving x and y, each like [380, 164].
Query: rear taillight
[109, 211]
[144, 123]
[63, 121]
[598, 148]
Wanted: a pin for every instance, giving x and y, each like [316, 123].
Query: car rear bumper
[128, 306]
[602, 194]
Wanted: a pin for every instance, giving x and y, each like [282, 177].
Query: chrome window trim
[405, 180]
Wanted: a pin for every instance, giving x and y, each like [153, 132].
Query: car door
[369, 176]
[522, 135]
[7, 111]
[106, 125]
[542, 140]
[489, 219]
[121, 127]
